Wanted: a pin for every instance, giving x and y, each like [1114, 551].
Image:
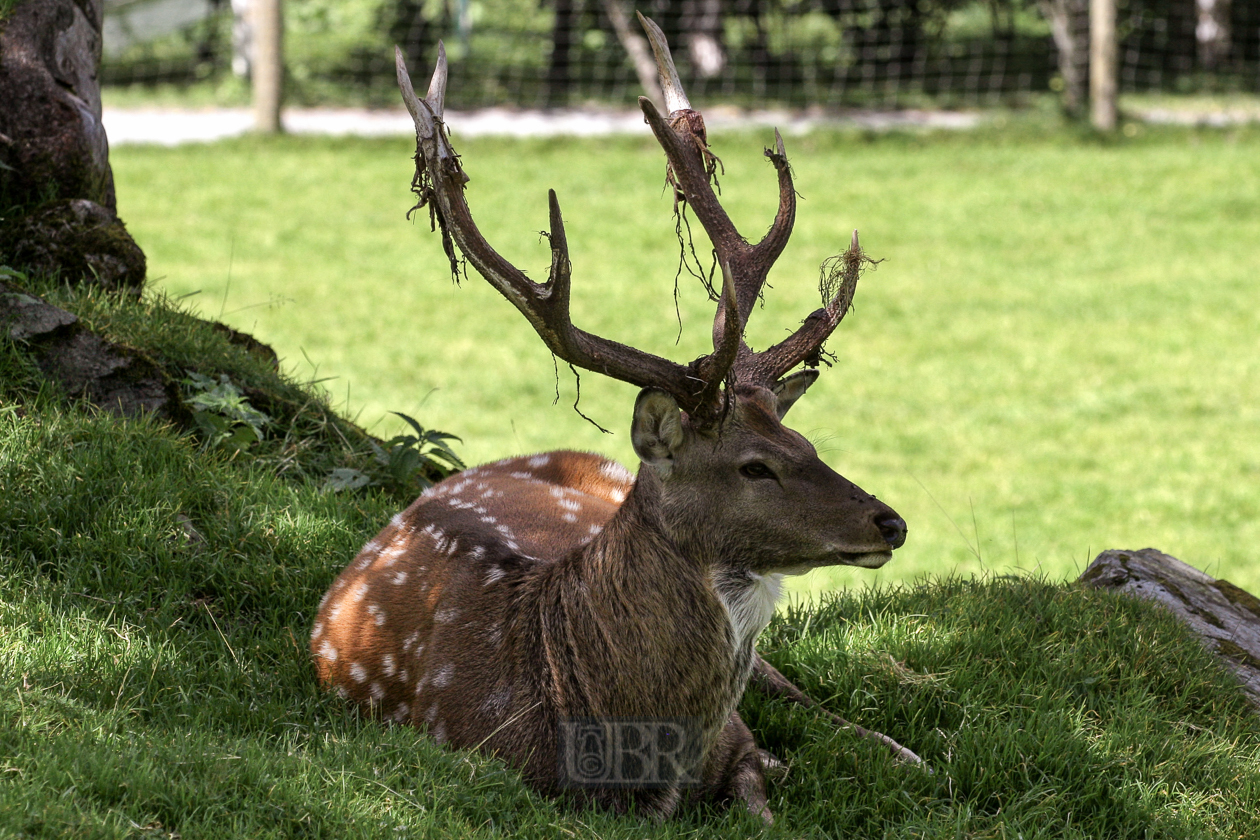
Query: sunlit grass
[155, 598]
[1058, 356]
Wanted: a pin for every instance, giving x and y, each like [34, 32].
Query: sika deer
[541, 608]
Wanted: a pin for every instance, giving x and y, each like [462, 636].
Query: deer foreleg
[735, 770]
[768, 679]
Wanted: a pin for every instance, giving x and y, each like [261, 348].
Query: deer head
[522, 594]
[710, 429]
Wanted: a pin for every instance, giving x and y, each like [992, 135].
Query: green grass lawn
[156, 593]
[1061, 353]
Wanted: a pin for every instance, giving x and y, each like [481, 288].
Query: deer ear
[656, 431]
[792, 388]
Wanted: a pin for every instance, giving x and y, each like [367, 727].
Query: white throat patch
[749, 599]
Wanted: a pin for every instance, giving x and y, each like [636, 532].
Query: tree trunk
[1211, 32]
[564, 38]
[267, 71]
[50, 127]
[1226, 617]
[1069, 26]
[1102, 64]
[56, 186]
[636, 46]
[702, 32]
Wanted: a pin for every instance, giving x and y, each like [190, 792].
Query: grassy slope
[153, 686]
[1059, 355]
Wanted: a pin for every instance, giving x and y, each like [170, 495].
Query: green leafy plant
[222, 412]
[9, 273]
[404, 460]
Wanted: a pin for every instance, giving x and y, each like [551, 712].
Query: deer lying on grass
[592, 627]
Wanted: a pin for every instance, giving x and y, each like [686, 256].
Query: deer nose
[892, 528]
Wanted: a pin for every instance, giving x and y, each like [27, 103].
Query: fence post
[1102, 64]
[268, 69]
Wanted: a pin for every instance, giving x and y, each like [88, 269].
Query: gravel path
[171, 127]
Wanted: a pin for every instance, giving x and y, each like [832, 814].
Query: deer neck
[632, 626]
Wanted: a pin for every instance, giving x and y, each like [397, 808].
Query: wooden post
[1102, 64]
[268, 69]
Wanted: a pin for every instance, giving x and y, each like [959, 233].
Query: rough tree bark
[1212, 33]
[1069, 26]
[1226, 617]
[57, 205]
[636, 46]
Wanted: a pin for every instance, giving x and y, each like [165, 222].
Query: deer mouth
[862, 559]
[868, 560]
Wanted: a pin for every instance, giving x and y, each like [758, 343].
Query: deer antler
[439, 184]
[682, 136]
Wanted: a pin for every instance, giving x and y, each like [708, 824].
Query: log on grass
[1226, 617]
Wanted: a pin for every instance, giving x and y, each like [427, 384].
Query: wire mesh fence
[756, 53]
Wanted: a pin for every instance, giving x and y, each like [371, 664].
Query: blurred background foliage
[752, 53]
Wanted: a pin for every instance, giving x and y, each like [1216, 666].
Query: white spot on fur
[357, 672]
[617, 496]
[489, 520]
[335, 611]
[443, 677]
[360, 591]
[477, 552]
[327, 651]
[570, 504]
[431, 714]
[410, 641]
[400, 714]
[493, 575]
[497, 702]
[317, 630]
[376, 691]
[324, 600]
[378, 614]
[439, 732]
[342, 692]
[396, 520]
[446, 616]
[539, 461]
[568, 517]
[616, 472]
[390, 555]
[403, 677]
[595, 528]
[399, 578]
[524, 476]
[387, 665]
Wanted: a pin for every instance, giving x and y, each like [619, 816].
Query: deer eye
[756, 469]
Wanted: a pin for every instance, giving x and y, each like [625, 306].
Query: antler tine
[439, 184]
[671, 85]
[806, 343]
[728, 340]
[772, 244]
[682, 136]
